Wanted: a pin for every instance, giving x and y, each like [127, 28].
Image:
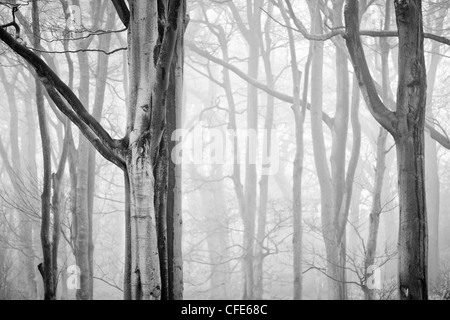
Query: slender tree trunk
[374, 218]
[47, 267]
[266, 164]
[31, 228]
[337, 160]
[127, 268]
[250, 189]
[84, 203]
[380, 168]
[354, 214]
[82, 223]
[174, 196]
[407, 127]
[100, 86]
[320, 157]
[299, 110]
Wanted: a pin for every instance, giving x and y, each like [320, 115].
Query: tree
[13, 168]
[406, 125]
[335, 180]
[299, 109]
[155, 33]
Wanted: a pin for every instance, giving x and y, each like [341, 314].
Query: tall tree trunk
[411, 103]
[82, 216]
[145, 269]
[100, 87]
[380, 168]
[84, 203]
[320, 157]
[407, 127]
[250, 189]
[30, 231]
[151, 51]
[337, 160]
[299, 110]
[46, 241]
[174, 196]
[266, 161]
[128, 258]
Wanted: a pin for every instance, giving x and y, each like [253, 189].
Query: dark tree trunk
[407, 127]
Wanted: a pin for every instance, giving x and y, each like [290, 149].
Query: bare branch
[279, 95]
[376, 107]
[45, 72]
[122, 11]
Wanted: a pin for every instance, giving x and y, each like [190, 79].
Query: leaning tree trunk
[174, 191]
[265, 167]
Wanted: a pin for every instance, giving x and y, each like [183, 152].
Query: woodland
[224, 150]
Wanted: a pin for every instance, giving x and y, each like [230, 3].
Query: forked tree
[153, 266]
[406, 124]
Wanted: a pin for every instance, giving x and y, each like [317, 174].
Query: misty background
[247, 232]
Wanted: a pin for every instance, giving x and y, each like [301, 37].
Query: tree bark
[153, 31]
[97, 110]
[299, 109]
[174, 196]
[407, 127]
[47, 267]
[266, 161]
[380, 168]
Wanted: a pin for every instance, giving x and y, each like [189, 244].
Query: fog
[224, 150]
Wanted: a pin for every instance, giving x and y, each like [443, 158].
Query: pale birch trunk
[175, 119]
[380, 168]
[299, 110]
[260, 253]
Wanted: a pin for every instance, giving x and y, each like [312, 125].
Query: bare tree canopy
[224, 150]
